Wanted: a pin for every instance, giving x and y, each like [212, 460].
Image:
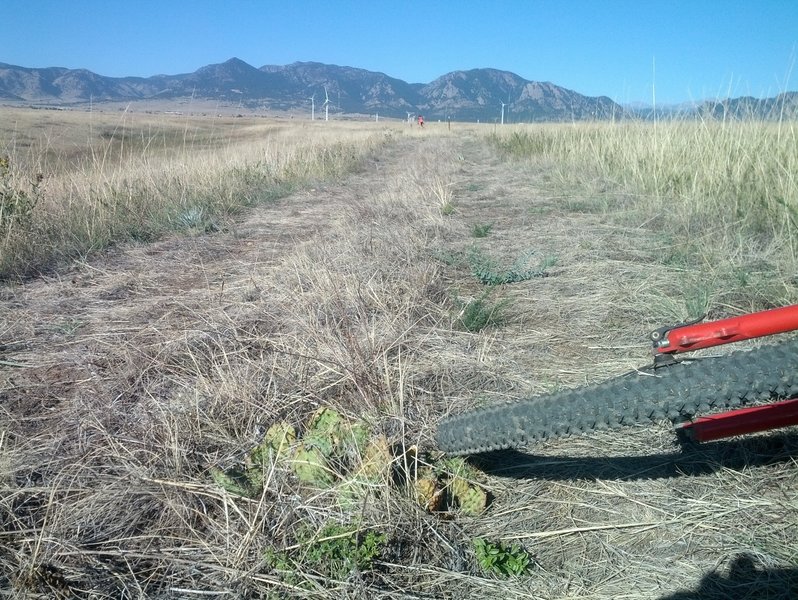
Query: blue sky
[618, 48]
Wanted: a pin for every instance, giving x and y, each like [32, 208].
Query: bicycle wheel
[679, 391]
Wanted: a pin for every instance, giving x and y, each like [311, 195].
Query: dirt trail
[63, 330]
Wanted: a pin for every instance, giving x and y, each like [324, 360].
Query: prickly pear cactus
[471, 497]
[336, 437]
[280, 436]
[355, 440]
[234, 481]
[310, 465]
[324, 431]
[429, 493]
[275, 445]
[377, 459]
[336, 451]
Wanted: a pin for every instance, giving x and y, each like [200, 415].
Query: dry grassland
[132, 377]
[108, 178]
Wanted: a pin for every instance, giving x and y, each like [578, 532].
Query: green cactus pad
[280, 435]
[310, 466]
[429, 493]
[471, 498]
[234, 481]
[324, 431]
[275, 445]
[325, 421]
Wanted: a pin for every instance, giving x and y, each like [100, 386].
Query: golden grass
[722, 197]
[702, 173]
[111, 178]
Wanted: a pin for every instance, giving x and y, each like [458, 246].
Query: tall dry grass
[714, 172]
[722, 196]
[111, 490]
[103, 179]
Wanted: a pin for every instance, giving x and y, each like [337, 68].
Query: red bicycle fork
[694, 336]
[687, 337]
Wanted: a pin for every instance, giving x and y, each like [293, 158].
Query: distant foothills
[485, 95]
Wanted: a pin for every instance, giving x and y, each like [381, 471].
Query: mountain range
[473, 95]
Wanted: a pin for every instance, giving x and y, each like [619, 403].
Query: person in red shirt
[421, 120]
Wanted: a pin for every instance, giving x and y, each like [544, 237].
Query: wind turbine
[312, 107]
[503, 105]
[326, 105]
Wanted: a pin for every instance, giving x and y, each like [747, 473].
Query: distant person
[421, 120]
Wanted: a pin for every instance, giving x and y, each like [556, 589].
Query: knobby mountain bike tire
[677, 392]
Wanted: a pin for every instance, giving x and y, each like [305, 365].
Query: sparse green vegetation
[488, 271]
[331, 554]
[480, 230]
[501, 559]
[477, 313]
[723, 195]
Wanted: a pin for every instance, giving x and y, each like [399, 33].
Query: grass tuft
[488, 271]
[481, 230]
[476, 314]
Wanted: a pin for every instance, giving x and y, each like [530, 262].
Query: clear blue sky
[701, 48]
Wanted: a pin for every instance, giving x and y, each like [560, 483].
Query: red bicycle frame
[694, 336]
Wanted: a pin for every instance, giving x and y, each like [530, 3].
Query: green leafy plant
[479, 230]
[333, 553]
[500, 559]
[451, 258]
[340, 549]
[488, 271]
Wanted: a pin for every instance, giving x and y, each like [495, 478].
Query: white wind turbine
[312, 107]
[503, 105]
[326, 105]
